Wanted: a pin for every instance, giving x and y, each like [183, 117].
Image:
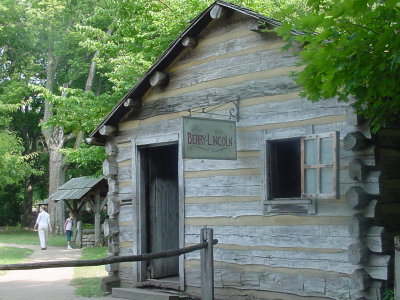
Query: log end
[189, 42]
[110, 282]
[159, 79]
[357, 198]
[358, 254]
[355, 141]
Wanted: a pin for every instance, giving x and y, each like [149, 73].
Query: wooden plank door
[163, 209]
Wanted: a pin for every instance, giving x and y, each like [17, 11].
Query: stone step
[141, 294]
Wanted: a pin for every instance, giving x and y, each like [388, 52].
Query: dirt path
[41, 283]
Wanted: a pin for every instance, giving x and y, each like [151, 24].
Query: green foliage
[10, 206]
[87, 280]
[122, 38]
[350, 50]
[14, 167]
[388, 295]
[85, 160]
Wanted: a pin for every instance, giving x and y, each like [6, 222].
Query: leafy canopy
[351, 49]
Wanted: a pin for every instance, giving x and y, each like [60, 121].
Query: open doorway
[160, 196]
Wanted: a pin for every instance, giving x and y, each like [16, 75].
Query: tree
[351, 50]
[69, 62]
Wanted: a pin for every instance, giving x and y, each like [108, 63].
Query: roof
[169, 55]
[76, 188]
[44, 202]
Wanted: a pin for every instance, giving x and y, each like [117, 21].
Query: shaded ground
[41, 283]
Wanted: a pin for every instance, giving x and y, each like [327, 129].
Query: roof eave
[167, 57]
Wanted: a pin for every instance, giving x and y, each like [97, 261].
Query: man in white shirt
[44, 226]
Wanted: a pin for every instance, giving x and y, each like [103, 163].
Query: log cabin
[304, 205]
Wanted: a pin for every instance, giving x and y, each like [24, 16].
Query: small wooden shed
[84, 190]
[300, 210]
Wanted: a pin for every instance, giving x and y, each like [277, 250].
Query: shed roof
[76, 188]
[169, 55]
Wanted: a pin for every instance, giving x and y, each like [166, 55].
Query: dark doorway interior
[162, 207]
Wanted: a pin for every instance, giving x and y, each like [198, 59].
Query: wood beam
[218, 12]
[111, 149]
[189, 42]
[357, 198]
[355, 141]
[132, 103]
[359, 225]
[110, 167]
[108, 130]
[113, 186]
[358, 170]
[111, 227]
[358, 254]
[159, 79]
[361, 279]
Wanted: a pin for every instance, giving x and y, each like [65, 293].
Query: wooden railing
[206, 261]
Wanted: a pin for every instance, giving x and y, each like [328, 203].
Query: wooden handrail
[105, 261]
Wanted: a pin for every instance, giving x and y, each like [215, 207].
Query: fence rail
[206, 261]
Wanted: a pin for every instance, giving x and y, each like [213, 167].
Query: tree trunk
[27, 204]
[54, 138]
[56, 178]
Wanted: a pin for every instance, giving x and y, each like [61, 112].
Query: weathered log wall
[326, 254]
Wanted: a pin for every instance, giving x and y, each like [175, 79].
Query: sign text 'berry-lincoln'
[209, 138]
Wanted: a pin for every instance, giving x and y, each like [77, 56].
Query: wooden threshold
[171, 283]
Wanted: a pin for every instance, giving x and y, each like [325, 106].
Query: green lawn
[28, 237]
[11, 255]
[87, 280]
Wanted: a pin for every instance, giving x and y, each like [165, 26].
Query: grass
[28, 237]
[87, 280]
[12, 255]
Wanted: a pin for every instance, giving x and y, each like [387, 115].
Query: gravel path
[42, 284]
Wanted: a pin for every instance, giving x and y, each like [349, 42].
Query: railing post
[207, 265]
[397, 267]
[78, 235]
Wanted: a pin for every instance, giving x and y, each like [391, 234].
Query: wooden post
[74, 210]
[79, 234]
[397, 267]
[207, 265]
[97, 225]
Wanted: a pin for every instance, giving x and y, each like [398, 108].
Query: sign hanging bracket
[233, 112]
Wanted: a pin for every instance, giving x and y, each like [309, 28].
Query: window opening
[285, 169]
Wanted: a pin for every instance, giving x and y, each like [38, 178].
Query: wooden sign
[209, 139]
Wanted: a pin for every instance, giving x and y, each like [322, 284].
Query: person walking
[44, 226]
[68, 229]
